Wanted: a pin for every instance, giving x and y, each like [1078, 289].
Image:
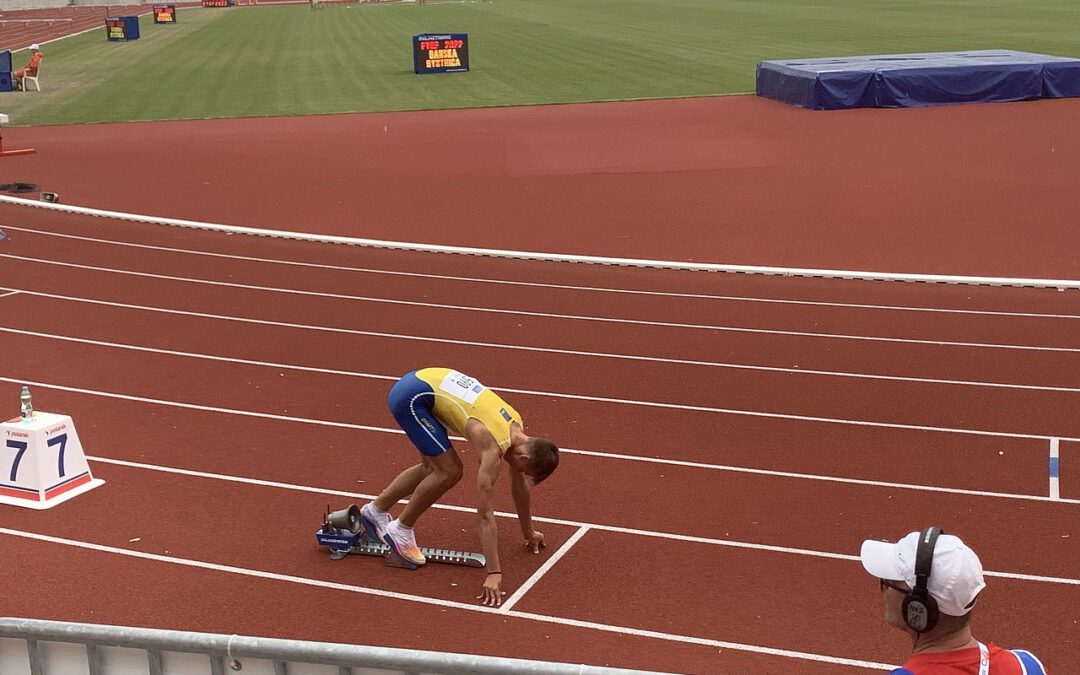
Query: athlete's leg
[398, 534]
[404, 485]
[376, 514]
[446, 472]
[411, 401]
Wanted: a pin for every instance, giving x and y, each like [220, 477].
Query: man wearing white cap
[31, 68]
[929, 583]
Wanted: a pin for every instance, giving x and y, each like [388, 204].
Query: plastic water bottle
[27, 404]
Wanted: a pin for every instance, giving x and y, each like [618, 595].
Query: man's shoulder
[1029, 663]
[480, 436]
[1002, 661]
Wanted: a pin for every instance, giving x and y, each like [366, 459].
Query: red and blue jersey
[968, 662]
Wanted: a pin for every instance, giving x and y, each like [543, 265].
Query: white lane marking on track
[598, 289]
[321, 583]
[371, 270]
[495, 345]
[712, 364]
[549, 315]
[543, 569]
[553, 521]
[770, 473]
[347, 425]
[561, 521]
[604, 455]
[355, 331]
[4, 295]
[810, 476]
[366, 298]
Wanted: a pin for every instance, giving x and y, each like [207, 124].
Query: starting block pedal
[344, 534]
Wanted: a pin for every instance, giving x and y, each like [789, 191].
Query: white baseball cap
[35, 46]
[956, 574]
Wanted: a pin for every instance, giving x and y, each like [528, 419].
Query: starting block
[343, 533]
[42, 462]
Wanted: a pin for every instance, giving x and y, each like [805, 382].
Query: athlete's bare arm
[521, 490]
[521, 487]
[490, 462]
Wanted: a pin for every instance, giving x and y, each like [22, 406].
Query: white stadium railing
[1060, 284]
[37, 647]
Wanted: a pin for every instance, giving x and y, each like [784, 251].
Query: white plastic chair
[27, 79]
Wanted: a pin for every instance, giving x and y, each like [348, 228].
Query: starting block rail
[365, 546]
[343, 533]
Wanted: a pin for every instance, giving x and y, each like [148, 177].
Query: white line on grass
[533, 284]
[543, 569]
[712, 364]
[322, 583]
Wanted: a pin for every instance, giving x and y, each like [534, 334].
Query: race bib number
[461, 386]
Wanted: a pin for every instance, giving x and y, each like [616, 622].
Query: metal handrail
[230, 650]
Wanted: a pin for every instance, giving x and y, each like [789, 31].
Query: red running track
[706, 421]
[719, 493]
[970, 189]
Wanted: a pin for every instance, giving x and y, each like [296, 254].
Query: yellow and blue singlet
[431, 402]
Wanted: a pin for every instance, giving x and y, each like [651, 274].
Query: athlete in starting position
[426, 403]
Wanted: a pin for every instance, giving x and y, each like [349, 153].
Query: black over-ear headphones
[920, 610]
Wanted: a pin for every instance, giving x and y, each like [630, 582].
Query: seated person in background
[31, 68]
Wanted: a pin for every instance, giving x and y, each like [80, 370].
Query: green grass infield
[290, 60]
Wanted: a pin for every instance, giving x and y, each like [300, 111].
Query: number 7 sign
[42, 462]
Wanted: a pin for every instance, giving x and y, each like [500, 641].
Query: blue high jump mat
[912, 80]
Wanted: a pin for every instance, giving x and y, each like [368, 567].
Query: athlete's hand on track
[535, 542]
[492, 593]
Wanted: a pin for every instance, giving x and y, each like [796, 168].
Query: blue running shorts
[411, 401]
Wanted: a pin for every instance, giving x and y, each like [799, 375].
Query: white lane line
[355, 331]
[371, 270]
[773, 473]
[652, 533]
[696, 408]
[543, 569]
[569, 317]
[572, 451]
[279, 324]
[4, 295]
[365, 298]
[321, 583]
[673, 462]
[713, 364]
[597, 289]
